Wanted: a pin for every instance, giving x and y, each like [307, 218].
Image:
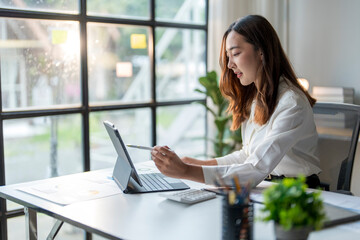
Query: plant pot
[292, 234]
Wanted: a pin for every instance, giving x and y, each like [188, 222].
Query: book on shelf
[339, 99]
[333, 94]
[333, 91]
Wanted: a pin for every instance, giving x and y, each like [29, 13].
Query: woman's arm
[197, 162]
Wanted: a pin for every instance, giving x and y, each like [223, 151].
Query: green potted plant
[225, 140]
[295, 211]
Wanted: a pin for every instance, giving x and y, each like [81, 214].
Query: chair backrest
[338, 126]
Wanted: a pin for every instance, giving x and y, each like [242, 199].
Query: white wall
[324, 42]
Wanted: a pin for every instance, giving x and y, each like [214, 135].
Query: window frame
[85, 109]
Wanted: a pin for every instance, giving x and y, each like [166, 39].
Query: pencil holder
[237, 220]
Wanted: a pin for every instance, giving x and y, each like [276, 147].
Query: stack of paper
[333, 94]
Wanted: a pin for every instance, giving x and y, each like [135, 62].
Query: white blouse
[285, 145]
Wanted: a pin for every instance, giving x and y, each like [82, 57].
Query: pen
[237, 184]
[140, 147]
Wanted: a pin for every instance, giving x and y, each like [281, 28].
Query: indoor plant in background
[225, 140]
[295, 211]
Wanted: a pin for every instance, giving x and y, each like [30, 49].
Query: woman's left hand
[168, 162]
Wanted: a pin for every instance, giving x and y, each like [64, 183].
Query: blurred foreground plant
[291, 206]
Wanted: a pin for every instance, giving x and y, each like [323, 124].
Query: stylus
[140, 147]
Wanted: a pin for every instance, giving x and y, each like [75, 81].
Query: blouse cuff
[210, 173]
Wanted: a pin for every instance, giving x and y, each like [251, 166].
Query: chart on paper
[75, 190]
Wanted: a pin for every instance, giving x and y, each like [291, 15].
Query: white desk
[149, 216]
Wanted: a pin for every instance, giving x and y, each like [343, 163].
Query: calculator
[189, 196]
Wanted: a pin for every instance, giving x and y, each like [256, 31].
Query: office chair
[338, 126]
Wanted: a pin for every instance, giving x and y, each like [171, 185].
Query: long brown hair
[257, 31]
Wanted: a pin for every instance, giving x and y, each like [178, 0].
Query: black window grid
[85, 109]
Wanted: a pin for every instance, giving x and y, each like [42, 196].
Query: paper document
[65, 191]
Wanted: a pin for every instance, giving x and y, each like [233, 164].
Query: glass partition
[182, 128]
[40, 63]
[42, 147]
[118, 63]
[139, 9]
[134, 128]
[58, 6]
[180, 61]
[181, 11]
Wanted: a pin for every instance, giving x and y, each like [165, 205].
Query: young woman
[266, 100]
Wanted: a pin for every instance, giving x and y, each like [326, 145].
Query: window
[66, 66]
[40, 64]
[118, 63]
[58, 6]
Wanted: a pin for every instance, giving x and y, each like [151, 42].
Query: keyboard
[154, 182]
[189, 196]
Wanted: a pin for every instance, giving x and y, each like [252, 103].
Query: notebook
[337, 215]
[126, 176]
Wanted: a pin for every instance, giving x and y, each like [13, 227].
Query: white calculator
[189, 196]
